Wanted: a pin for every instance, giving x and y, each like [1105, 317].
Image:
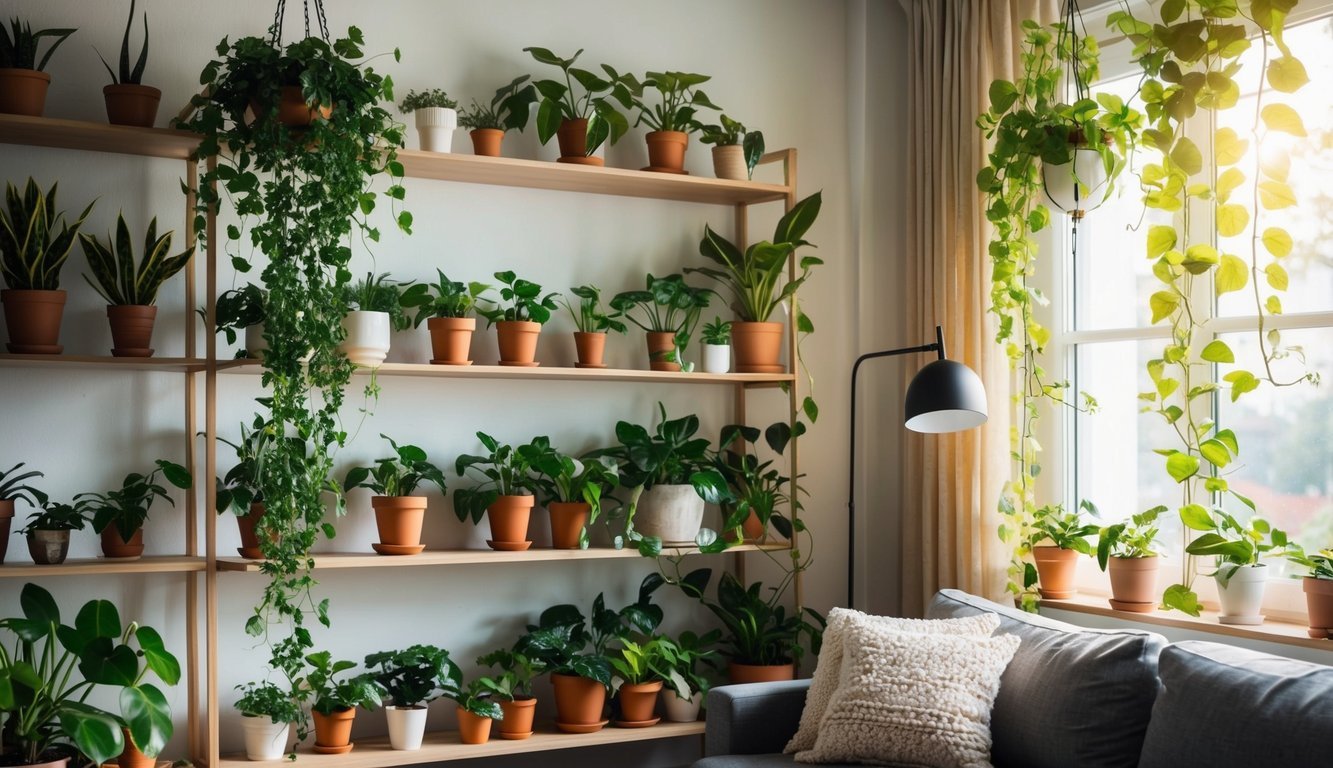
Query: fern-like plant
[121, 279]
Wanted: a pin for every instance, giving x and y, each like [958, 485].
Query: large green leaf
[794, 223]
[105, 664]
[156, 657]
[148, 715]
[38, 605]
[98, 618]
[96, 733]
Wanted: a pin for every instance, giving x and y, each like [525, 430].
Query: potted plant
[505, 494]
[753, 277]
[518, 318]
[571, 490]
[334, 700]
[581, 123]
[242, 310]
[716, 337]
[476, 711]
[1241, 577]
[23, 82]
[446, 315]
[670, 310]
[51, 668]
[641, 669]
[736, 151]
[591, 325]
[241, 491]
[119, 515]
[35, 240]
[1318, 588]
[13, 488]
[686, 689]
[376, 303]
[267, 714]
[508, 110]
[672, 118]
[128, 100]
[1128, 549]
[48, 530]
[513, 687]
[130, 286]
[398, 514]
[436, 116]
[756, 489]
[412, 678]
[1066, 534]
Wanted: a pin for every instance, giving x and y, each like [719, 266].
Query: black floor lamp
[944, 396]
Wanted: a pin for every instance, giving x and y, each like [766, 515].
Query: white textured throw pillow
[829, 666]
[913, 699]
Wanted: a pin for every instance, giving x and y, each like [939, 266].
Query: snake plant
[34, 238]
[122, 281]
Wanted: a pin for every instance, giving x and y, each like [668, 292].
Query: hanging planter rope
[320, 19]
[1080, 185]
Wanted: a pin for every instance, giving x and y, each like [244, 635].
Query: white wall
[782, 66]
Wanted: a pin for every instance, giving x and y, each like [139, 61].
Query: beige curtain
[953, 482]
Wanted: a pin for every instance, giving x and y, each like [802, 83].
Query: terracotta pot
[33, 318]
[294, 112]
[591, 347]
[407, 727]
[738, 673]
[114, 546]
[6, 522]
[578, 703]
[729, 162]
[567, 521]
[666, 151]
[757, 346]
[1242, 597]
[1133, 584]
[265, 739]
[61, 763]
[751, 529]
[573, 138]
[486, 142]
[1055, 571]
[23, 91]
[48, 547]
[473, 729]
[131, 329]
[249, 537]
[435, 127]
[638, 701]
[518, 341]
[131, 757]
[1319, 605]
[672, 513]
[451, 340]
[399, 519]
[660, 346]
[129, 104]
[508, 517]
[517, 723]
[333, 733]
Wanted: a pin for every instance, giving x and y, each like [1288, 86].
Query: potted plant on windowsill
[130, 286]
[756, 489]
[508, 110]
[640, 672]
[48, 531]
[572, 492]
[119, 515]
[518, 318]
[736, 151]
[23, 82]
[505, 495]
[670, 310]
[476, 711]
[436, 116]
[35, 241]
[376, 311]
[411, 679]
[334, 701]
[672, 118]
[1318, 588]
[591, 325]
[513, 687]
[128, 100]
[1239, 547]
[753, 278]
[446, 315]
[686, 689]
[267, 714]
[1128, 549]
[716, 338]
[398, 514]
[13, 488]
[581, 123]
[1066, 536]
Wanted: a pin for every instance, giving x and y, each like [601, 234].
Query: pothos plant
[1191, 59]
[298, 208]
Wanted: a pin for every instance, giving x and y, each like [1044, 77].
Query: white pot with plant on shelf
[1240, 590]
[716, 346]
[1238, 546]
[267, 713]
[436, 118]
[378, 311]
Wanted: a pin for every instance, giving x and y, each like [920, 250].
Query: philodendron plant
[757, 487]
[508, 110]
[1064, 529]
[13, 486]
[758, 629]
[1135, 538]
[678, 100]
[520, 300]
[666, 305]
[127, 507]
[588, 315]
[1236, 544]
[517, 671]
[396, 475]
[446, 298]
[505, 471]
[559, 101]
[561, 478]
[729, 132]
[414, 676]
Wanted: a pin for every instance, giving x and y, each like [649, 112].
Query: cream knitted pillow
[913, 699]
[829, 666]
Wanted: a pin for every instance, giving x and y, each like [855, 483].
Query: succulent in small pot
[377, 310]
[13, 487]
[671, 117]
[411, 679]
[446, 315]
[686, 688]
[641, 669]
[476, 710]
[267, 714]
[47, 531]
[23, 82]
[757, 490]
[334, 700]
[1239, 548]
[513, 687]
[128, 100]
[716, 338]
[119, 515]
[130, 286]
[581, 122]
[572, 492]
[1058, 537]
[508, 110]
[668, 310]
[736, 151]
[35, 241]
[518, 318]
[1128, 549]
[436, 115]
[505, 494]
[398, 514]
[1318, 588]
[591, 325]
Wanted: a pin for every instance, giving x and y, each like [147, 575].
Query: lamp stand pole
[938, 346]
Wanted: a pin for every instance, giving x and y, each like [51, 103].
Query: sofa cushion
[1222, 705]
[1070, 696]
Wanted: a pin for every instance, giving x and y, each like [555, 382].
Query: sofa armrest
[755, 718]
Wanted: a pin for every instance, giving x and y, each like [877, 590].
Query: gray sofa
[1080, 698]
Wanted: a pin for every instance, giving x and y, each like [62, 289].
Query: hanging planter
[1080, 184]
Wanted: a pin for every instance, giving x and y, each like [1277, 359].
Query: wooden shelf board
[169, 364]
[101, 565]
[542, 373]
[96, 137]
[475, 556]
[444, 746]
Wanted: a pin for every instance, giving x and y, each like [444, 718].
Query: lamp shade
[945, 396]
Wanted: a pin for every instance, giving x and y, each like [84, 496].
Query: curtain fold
[953, 482]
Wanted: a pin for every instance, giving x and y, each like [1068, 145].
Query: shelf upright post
[214, 751]
[191, 497]
[742, 240]
[794, 391]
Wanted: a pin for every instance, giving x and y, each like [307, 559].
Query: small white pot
[672, 513]
[407, 725]
[680, 710]
[717, 358]
[254, 341]
[367, 341]
[1242, 597]
[265, 739]
[436, 127]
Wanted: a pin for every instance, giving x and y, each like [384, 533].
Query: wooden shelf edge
[552, 373]
[101, 565]
[97, 137]
[106, 362]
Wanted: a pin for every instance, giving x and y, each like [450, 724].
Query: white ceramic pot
[265, 739]
[254, 341]
[717, 358]
[407, 725]
[729, 162]
[367, 341]
[1085, 174]
[1242, 597]
[673, 513]
[436, 127]
[680, 710]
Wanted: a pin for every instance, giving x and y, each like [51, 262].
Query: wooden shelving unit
[108, 363]
[543, 373]
[105, 566]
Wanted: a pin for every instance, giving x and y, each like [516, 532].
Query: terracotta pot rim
[130, 88]
[25, 72]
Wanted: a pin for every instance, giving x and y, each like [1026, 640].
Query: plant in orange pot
[1128, 549]
[513, 687]
[591, 325]
[128, 100]
[12, 489]
[130, 286]
[518, 318]
[505, 494]
[476, 710]
[668, 312]
[411, 679]
[119, 515]
[445, 307]
[758, 490]
[334, 701]
[508, 110]
[1318, 588]
[581, 123]
[672, 118]
[572, 492]
[241, 491]
[1056, 540]
[398, 514]
[641, 670]
[23, 84]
